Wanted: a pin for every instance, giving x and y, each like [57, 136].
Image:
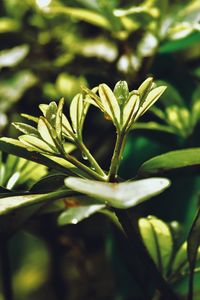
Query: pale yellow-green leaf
[148, 236]
[110, 103]
[130, 109]
[9, 204]
[8, 25]
[13, 142]
[30, 118]
[25, 128]
[66, 127]
[33, 143]
[92, 98]
[61, 161]
[180, 261]
[76, 110]
[164, 242]
[58, 123]
[43, 108]
[88, 16]
[44, 131]
[145, 88]
[152, 97]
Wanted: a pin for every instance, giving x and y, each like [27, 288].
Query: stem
[84, 149]
[191, 283]
[117, 155]
[142, 256]
[83, 167]
[6, 272]
[91, 159]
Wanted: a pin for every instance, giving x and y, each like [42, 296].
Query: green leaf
[192, 250]
[11, 57]
[119, 195]
[172, 160]
[45, 130]
[130, 110]
[82, 15]
[76, 110]
[15, 147]
[35, 144]
[49, 183]
[152, 126]
[177, 45]
[8, 25]
[180, 263]
[59, 114]
[30, 118]
[158, 240]
[110, 103]
[43, 108]
[9, 204]
[66, 128]
[152, 97]
[145, 88]
[25, 128]
[77, 214]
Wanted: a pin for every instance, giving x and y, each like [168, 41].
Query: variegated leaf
[110, 103]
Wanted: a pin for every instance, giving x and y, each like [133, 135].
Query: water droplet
[53, 116]
[74, 221]
[175, 225]
[93, 168]
[84, 156]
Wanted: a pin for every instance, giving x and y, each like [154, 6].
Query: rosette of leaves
[54, 137]
[124, 107]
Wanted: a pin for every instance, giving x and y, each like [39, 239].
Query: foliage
[57, 49]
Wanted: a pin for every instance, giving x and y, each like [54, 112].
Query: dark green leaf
[193, 245]
[49, 183]
[172, 160]
[16, 148]
[176, 45]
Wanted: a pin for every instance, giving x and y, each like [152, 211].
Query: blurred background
[48, 50]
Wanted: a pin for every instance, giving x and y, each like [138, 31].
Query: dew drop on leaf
[84, 156]
[74, 221]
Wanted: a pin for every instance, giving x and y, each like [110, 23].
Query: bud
[121, 92]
